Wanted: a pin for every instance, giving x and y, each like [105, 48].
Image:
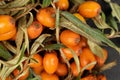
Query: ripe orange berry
[67, 52]
[7, 78]
[69, 38]
[83, 42]
[7, 27]
[24, 76]
[46, 76]
[46, 16]
[50, 62]
[34, 30]
[79, 17]
[62, 69]
[36, 62]
[37, 70]
[101, 61]
[89, 9]
[62, 4]
[74, 69]
[86, 57]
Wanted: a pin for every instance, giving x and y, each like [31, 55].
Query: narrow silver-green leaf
[77, 62]
[115, 9]
[101, 24]
[95, 34]
[46, 3]
[30, 20]
[4, 53]
[96, 49]
[53, 47]
[113, 22]
[9, 47]
[90, 64]
[57, 24]
[38, 42]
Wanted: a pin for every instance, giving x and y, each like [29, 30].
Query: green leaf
[53, 47]
[4, 53]
[57, 24]
[77, 62]
[101, 24]
[96, 49]
[113, 22]
[83, 29]
[38, 42]
[115, 9]
[22, 52]
[46, 3]
[103, 16]
[90, 64]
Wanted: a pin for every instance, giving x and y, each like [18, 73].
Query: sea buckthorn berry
[8, 78]
[74, 70]
[37, 70]
[87, 57]
[67, 52]
[34, 30]
[7, 27]
[46, 16]
[36, 62]
[89, 9]
[62, 69]
[50, 62]
[79, 17]
[101, 60]
[24, 76]
[69, 38]
[62, 4]
[45, 76]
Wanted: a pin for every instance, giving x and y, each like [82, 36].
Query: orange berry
[74, 69]
[46, 76]
[67, 52]
[8, 35]
[69, 38]
[34, 30]
[7, 78]
[101, 61]
[83, 42]
[36, 62]
[89, 9]
[37, 70]
[50, 62]
[24, 76]
[7, 27]
[62, 4]
[62, 69]
[46, 16]
[79, 17]
[87, 57]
